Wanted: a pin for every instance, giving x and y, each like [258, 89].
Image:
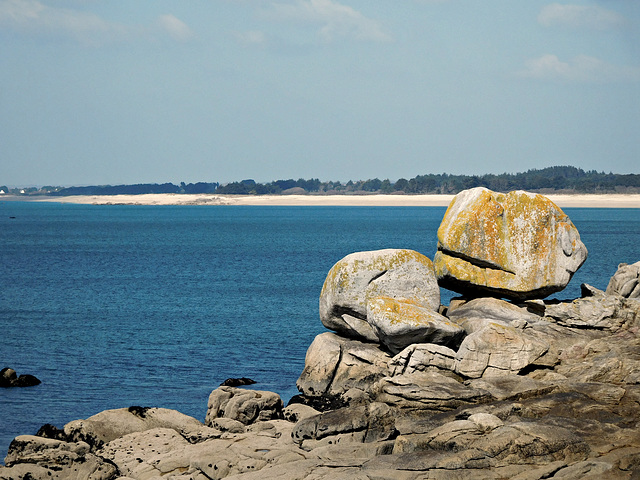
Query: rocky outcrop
[626, 281]
[108, 425]
[9, 378]
[362, 276]
[32, 457]
[517, 245]
[497, 349]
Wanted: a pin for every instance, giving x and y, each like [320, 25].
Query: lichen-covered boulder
[517, 245]
[400, 323]
[626, 281]
[358, 277]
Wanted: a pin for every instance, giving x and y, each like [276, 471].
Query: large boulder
[396, 273]
[334, 365]
[517, 245]
[400, 323]
[626, 281]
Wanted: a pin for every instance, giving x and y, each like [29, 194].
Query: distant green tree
[386, 186]
[402, 184]
[372, 185]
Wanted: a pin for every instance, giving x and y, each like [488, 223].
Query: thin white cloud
[581, 69]
[335, 20]
[579, 16]
[176, 28]
[33, 17]
[252, 37]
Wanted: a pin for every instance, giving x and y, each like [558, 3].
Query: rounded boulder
[397, 273]
[517, 245]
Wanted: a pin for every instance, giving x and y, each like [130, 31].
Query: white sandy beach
[584, 201]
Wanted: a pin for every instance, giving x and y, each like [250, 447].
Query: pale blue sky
[109, 92]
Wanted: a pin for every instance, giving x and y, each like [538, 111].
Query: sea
[113, 306]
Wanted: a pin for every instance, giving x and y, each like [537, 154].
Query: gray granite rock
[497, 349]
[419, 357]
[358, 277]
[479, 312]
[427, 390]
[32, 457]
[400, 323]
[626, 281]
[245, 406]
[516, 245]
[111, 424]
[335, 365]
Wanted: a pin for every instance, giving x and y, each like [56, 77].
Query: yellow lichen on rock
[358, 277]
[400, 323]
[518, 244]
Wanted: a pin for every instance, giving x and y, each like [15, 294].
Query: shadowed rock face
[517, 245]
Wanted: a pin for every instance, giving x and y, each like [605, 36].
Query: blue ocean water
[113, 306]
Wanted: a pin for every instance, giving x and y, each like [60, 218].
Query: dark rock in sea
[237, 382]
[9, 378]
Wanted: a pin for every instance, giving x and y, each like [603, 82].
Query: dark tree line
[565, 178]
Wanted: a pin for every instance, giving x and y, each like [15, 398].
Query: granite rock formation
[516, 245]
[626, 281]
[362, 276]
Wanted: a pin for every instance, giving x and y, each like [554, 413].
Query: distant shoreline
[562, 200]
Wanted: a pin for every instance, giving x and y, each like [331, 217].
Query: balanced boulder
[358, 277]
[517, 245]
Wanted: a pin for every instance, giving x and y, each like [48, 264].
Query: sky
[152, 91]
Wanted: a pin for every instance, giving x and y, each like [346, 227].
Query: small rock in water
[9, 378]
[237, 382]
